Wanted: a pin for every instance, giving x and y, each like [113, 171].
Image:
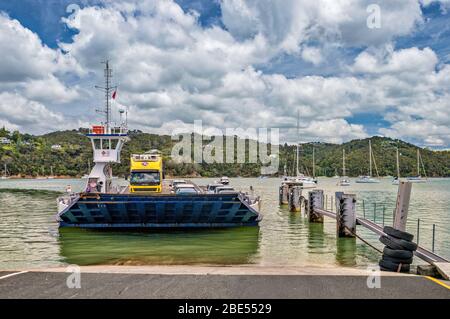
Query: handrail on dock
[421, 252]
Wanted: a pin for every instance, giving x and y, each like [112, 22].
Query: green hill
[69, 152]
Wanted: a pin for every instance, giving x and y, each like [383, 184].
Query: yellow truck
[146, 172]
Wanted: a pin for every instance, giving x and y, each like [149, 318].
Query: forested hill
[68, 153]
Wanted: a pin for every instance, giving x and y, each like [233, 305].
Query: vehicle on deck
[146, 172]
[210, 188]
[185, 189]
[224, 190]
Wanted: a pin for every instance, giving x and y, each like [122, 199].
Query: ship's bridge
[107, 142]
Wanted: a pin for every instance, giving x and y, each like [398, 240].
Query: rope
[363, 240]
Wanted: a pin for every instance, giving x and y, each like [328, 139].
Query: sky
[232, 64]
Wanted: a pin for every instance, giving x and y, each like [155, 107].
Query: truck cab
[146, 172]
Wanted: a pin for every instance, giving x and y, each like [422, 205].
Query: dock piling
[315, 201]
[346, 214]
[402, 205]
[295, 193]
[284, 195]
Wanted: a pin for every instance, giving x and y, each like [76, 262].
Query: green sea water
[29, 235]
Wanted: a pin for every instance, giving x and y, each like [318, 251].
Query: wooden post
[294, 198]
[402, 205]
[345, 214]
[315, 200]
[284, 193]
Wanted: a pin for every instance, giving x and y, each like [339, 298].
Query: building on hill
[5, 140]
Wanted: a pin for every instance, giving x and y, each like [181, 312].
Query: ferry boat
[149, 201]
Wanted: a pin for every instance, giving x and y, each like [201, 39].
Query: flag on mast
[114, 94]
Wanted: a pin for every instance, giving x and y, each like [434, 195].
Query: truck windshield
[147, 178]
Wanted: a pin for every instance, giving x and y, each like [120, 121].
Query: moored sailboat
[368, 179]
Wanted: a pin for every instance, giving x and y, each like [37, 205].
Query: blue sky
[270, 47]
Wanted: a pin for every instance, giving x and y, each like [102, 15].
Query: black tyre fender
[398, 244]
[398, 233]
[391, 266]
[398, 260]
[400, 254]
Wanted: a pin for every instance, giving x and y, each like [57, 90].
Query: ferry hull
[117, 211]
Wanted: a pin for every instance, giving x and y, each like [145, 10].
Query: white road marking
[13, 274]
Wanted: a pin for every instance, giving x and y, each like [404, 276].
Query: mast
[370, 158]
[314, 162]
[398, 165]
[107, 89]
[343, 162]
[298, 124]
[418, 162]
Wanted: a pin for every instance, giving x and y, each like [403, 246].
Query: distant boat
[344, 181]
[307, 181]
[224, 180]
[5, 173]
[368, 179]
[51, 173]
[418, 178]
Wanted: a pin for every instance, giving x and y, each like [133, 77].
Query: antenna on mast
[107, 89]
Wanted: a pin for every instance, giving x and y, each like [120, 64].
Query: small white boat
[344, 181]
[366, 179]
[224, 180]
[5, 173]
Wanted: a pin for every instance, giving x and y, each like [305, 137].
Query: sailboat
[51, 173]
[344, 181]
[5, 173]
[418, 178]
[307, 181]
[396, 180]
[368, 178]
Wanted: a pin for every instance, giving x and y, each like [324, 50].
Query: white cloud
[30, 116]
[172, 71]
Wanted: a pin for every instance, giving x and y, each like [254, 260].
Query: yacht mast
[398, 165]
[314, 162]
[418, 162]
[370, 158]
[298, 125]
[343, 162]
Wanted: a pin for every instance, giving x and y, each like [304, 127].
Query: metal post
[374, 212]
[418, 230]
[326, 202]
[402, 205]
[434, 236]
[364, 209]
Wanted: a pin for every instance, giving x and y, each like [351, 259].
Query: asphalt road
[126, 285]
